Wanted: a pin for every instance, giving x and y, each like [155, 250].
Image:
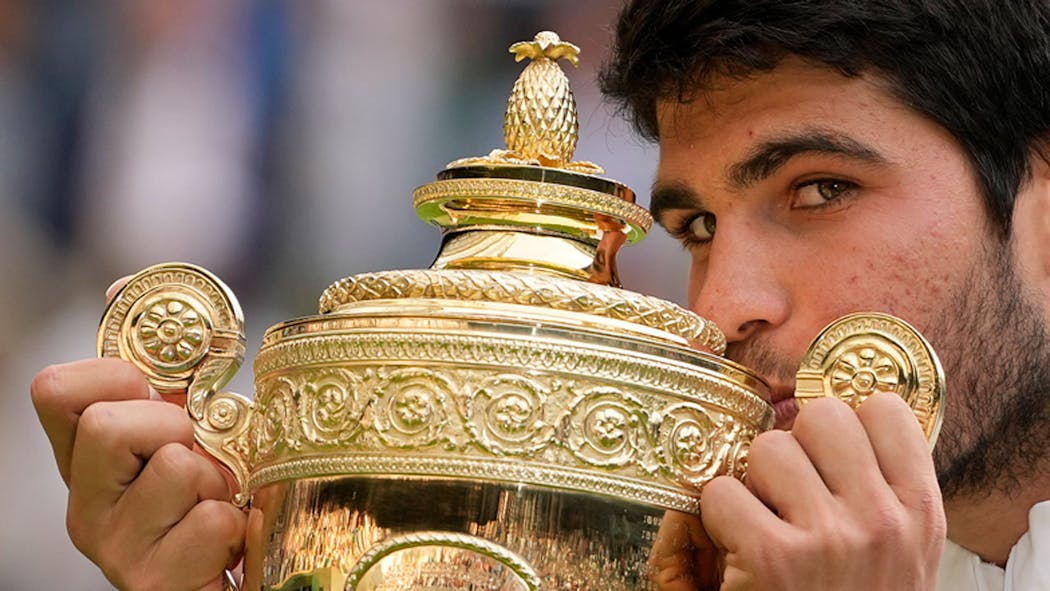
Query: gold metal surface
[540, 127]
[636, 311]
[533, 187]
[861, 354]
[496, 249]
[413, 533]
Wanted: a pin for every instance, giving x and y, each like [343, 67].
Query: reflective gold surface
[404, 533]
[861, 354]
[535, 293]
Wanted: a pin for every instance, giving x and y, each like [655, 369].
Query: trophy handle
[519, 574]
[860, 354]
[183, 328]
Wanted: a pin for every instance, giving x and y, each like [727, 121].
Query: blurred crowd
[275, 142]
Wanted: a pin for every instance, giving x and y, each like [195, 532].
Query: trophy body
[507, 420]
[397, 438]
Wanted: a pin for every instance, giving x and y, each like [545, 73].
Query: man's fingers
[61, 393]
[113, 441]
[173, 481]
[782, 476]
[901, 449]
[205, 542]
[735, 514]
[835, 440]
[115, 287]
[683, 558]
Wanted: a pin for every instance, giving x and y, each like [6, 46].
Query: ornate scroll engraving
[332, 412]
[609, 428]
[700, 444]
[509, 414]
[654, 437]
[411, 408]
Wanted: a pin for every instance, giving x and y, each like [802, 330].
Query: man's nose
[739, 287]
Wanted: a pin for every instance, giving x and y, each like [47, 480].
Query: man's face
[802, 196]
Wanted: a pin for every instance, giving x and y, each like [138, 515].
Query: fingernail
[153, 394]
[115, 287]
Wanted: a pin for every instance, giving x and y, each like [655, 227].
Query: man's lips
[785, 407]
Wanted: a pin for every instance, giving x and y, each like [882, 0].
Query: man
[816, 158]
[820, 158]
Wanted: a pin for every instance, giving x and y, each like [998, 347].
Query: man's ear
[1031, 227]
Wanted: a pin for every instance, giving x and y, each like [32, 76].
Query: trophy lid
[534, 185]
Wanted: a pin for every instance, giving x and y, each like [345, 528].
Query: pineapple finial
[540, 126]
[546, 44]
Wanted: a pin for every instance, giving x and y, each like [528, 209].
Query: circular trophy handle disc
[860, 354]
[169, 320]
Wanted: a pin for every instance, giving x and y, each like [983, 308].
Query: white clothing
[1027, 568]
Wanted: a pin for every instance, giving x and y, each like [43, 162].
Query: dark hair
[979, 68]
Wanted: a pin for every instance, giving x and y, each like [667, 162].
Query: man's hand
[152, 513]
[846, 500]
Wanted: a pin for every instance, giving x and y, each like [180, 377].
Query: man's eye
[702, 227]
[818, 192]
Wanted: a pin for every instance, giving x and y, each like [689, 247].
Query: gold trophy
[506, 420]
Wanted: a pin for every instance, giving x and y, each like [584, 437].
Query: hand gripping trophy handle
[183, 328]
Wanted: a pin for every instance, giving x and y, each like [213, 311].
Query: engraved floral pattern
[604, 428]
[858, 372]
[445, 405]
[698, 444]
[506, 414]
[172, 332]
[411, 408]
[275, 420]
[331, 406]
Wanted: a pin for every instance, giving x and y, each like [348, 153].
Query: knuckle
[174, 462]
[715, 489]
[830, 541]
[883, 400]
[778, 553]
[125, 378]
[931, 507]
[764, 456]
[888, 527]
[45, 386]
[96, 422]
[225, 521]
[890, 520]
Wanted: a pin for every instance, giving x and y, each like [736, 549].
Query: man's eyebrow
[767, 157]
[672, 195]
